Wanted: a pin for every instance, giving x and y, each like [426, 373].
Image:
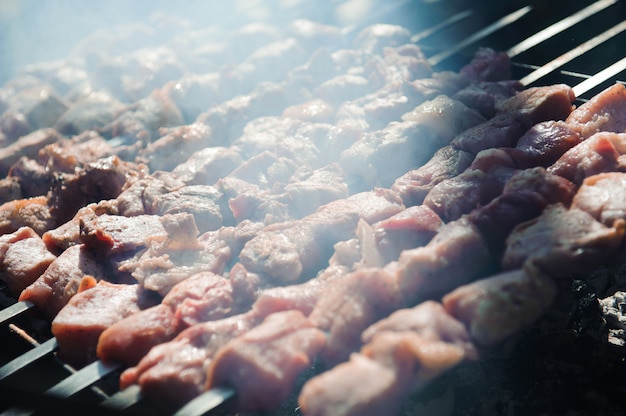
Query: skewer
[27, 358]
[498, 24]
[209, 400]
[559, 26]
[574, 53]
[83, 378]
[600, 77]
[15, 309]
[448, 22]
[123, 399]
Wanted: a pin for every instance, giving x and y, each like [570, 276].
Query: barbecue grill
[579, 43]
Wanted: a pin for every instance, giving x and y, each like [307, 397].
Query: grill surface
[550, 42]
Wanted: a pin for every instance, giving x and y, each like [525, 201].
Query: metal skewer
[559, 26]
[15, 309]
[600, 77]
[27, 358]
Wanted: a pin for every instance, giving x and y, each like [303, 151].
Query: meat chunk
[108, 234]
[445, 117]
[28, 145]
[129, 340]
[596, 196]
[603, 112]
[456, 255]
[29, 212]
[206, 166]
[503, 130]
[562, 241]
[402, 354]
[537, 104]
[262, 364]
[602, 152]
[178, 256]
[80, 322]
[543, 144]
[61, 280]
[23, 258]
[350, 305]
[411, 228]
[175, 372]
[446, 163]
[201, 201]
[498, 306]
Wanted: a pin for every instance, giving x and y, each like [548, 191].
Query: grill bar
[83, 378]
[28, 358]
[559, 27]
[600, 77]
[499, 24]
[574, 53]
[14, 310]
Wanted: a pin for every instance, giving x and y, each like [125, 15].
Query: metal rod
[207, 401]
[559, 26]
[574, 53]
[440, 26]
[14, 310]
[83, 378]
[600, 77]
[123, 399]
[27, 358]
[499, 24]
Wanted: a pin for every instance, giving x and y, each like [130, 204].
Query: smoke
[35, 31]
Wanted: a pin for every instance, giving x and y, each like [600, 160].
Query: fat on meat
[604, 112]
[597, 196]
[602, 152]
[263, 363]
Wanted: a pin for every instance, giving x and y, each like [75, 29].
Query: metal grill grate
[579, 43]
